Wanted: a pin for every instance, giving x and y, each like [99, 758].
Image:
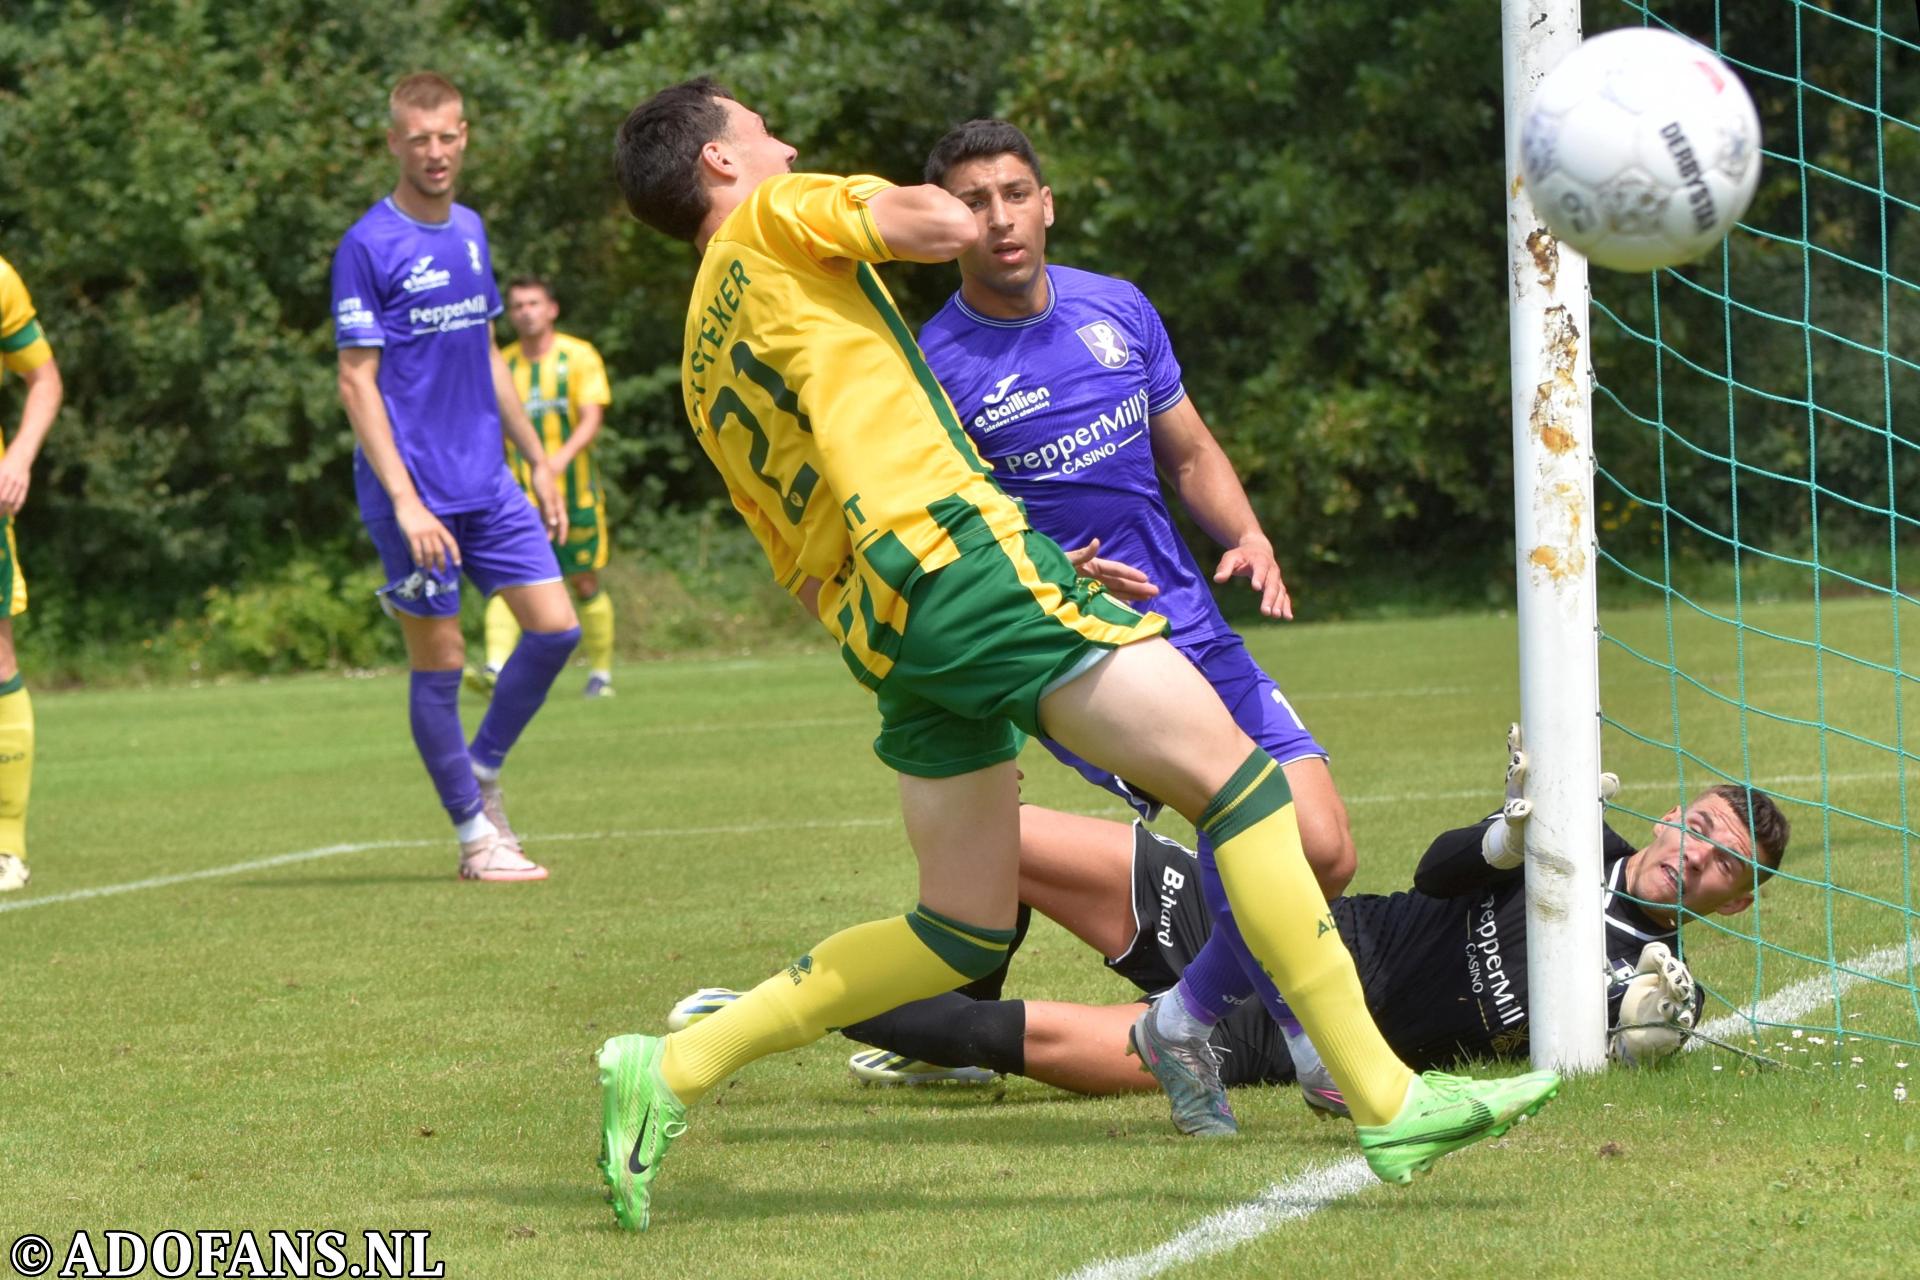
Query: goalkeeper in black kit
[1443, 965]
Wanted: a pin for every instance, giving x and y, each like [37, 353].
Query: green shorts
[13, 583]
[586, 547]
[986, 637]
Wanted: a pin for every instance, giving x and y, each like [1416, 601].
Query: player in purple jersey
[427, 393]
[1068, 385]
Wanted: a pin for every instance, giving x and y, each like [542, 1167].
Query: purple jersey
[423, 292]
[1059, 403]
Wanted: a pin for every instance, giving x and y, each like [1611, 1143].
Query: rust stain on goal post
[1545, 251]
[1559, 503]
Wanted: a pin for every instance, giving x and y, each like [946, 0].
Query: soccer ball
[1641, 149]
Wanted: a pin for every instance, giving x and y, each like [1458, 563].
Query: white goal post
[1554, 568]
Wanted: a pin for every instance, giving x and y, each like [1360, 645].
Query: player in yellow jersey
[807, 392]
[24, 351]
[563, 384]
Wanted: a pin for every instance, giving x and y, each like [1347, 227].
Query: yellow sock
[502, 633]
[16, 764]
[1282, 915]
[853, 975]
[596, 631]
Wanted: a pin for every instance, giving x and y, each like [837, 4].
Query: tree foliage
[1311, 193]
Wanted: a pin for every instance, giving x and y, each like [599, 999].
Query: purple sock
[522, 687]
[433, 705]
[1213, 982]
[1226, 934]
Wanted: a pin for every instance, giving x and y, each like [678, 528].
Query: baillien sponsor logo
[1003, 406]
[426, 276]
[999, 392]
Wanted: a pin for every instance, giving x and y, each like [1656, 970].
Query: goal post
[1554, 569]
[1716, 483]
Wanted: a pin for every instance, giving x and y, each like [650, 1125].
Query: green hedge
[1311, 193]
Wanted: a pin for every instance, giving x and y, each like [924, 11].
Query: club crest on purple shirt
[1106, 343]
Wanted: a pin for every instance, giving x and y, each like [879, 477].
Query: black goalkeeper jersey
[1444, 966]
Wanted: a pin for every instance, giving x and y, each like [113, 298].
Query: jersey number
[728, 404]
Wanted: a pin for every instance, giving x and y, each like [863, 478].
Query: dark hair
[532, 282]
[977, 140]
[1757, 812]
[656, 155]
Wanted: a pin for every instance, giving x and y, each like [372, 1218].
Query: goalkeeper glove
[1656, 1010]
[1504, 844]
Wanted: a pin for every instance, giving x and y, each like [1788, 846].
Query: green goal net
[1757, 439]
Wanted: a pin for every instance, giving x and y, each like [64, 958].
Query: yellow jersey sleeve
[815, 218]
[589, 376]
[23, 348]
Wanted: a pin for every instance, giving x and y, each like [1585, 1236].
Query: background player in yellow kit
[807, 392]
[23, 350]
[562, 382]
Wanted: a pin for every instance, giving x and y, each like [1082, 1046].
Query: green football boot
[1444, 1113]
[639, 1119]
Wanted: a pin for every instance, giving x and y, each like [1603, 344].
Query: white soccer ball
[1641, 149]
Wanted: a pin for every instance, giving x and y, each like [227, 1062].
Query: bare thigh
[541, 606]
[1078, 872]
[1148, 715]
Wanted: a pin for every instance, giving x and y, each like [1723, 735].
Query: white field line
[334, 850]
[1304, 1194]
[1299, 1196]
[1315, 1188]
[1796, 998]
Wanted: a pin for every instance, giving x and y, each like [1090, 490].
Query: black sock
[990, 986]
[952, 1031]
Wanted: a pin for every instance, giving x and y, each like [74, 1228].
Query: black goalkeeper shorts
[1170, 926]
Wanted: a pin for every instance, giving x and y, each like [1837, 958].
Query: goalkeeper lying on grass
[1443, 965]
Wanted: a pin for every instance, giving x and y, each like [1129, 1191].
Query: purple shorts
[500, 546]
[1255, 701]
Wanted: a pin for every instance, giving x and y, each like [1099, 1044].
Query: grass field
[327, 1030]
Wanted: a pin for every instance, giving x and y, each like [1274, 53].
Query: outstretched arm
[1212, 493]
[923, 224]
[1455, 863]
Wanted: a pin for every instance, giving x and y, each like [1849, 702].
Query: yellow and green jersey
[553, 389]
[808, 392]
[23, 348]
